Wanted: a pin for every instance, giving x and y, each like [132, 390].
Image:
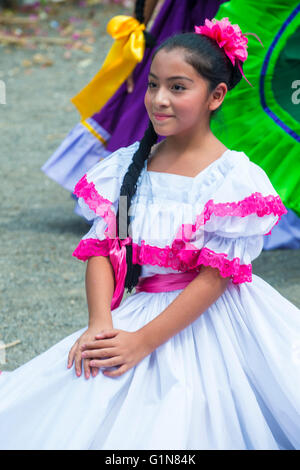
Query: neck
[190, 141]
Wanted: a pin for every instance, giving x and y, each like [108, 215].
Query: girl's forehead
[172, 63]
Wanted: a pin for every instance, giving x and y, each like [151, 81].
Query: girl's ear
[217, 96]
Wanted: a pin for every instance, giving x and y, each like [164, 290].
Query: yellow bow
[127, 50]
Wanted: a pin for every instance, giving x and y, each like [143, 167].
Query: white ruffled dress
[229, 380]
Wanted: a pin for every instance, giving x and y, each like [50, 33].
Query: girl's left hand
[123, 348]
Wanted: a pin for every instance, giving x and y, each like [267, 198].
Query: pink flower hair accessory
[229, 37]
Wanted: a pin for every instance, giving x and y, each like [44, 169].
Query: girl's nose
[161, 97]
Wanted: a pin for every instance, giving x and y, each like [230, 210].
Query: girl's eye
[151, 84]
[178, 87]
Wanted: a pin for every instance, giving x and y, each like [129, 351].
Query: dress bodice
[162, 193]
[177, 223]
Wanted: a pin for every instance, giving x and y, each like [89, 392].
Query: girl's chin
[163, 130]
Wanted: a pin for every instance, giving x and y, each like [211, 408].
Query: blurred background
[49, 50]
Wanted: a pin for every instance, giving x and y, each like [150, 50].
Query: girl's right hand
[130, 84]
[76, 351]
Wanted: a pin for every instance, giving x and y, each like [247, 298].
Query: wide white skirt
[230, 380]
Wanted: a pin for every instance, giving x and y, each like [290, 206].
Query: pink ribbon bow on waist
[117, 255]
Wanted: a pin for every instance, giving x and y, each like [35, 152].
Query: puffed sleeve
[228, 231]
[98, 194]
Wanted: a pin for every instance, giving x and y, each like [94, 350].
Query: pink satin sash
[165, 282]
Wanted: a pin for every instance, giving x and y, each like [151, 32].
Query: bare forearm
[194, 300]
[148, 10]
[99, 284]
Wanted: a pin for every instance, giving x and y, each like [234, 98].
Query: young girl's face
[177, 98]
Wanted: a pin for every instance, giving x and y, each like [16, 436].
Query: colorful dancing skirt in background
[264, 120]
[268, 131]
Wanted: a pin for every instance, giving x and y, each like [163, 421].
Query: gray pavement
[42, 294]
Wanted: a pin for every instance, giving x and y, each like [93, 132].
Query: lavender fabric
[80, 150]
[286, 234]
[123, 108]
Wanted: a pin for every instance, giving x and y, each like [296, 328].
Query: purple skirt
[81, 150]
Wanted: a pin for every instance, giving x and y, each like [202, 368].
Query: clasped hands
[109, 348]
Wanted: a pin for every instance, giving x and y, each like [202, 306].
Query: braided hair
[128, 189]
[211, 62]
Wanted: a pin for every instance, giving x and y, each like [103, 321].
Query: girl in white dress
[203, 355]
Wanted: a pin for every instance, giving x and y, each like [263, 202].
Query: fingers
[98, 343]
[86, 368]
[78, 362]
[98, 353]
[107, 334]
[92, 345]
[95, 347]
[75, 354]
[116, 372]
[71, 355]
[95, 371]
[111, 362]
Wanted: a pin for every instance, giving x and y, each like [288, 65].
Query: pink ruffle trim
[97, 203]
[256, 203]
[175, 257]
[238, 272]
[89, 247]
[179, 258]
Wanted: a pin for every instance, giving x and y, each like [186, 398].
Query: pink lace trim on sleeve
[238, 272]
[175, 257]
[254, 204]
[91, 247]
[181, 259]
[97, 203]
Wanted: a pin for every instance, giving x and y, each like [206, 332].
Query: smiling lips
[161, 117]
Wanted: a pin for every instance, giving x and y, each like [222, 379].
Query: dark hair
[207, 58]
[211, 62]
